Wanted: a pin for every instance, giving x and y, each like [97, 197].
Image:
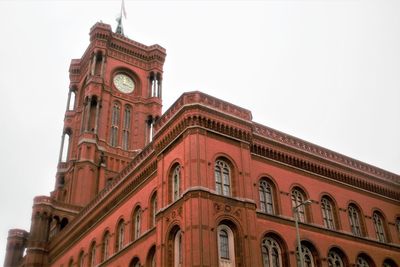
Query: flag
[123, 11]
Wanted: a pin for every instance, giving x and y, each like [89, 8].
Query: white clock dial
[124, 83]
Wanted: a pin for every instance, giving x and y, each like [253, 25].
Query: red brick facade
[206, 186]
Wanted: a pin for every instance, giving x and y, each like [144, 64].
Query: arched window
[106, 244]
[327, 209]
[398, 225]
[93, 254]
[137, 218]
[71, 100]
[65, 145]
[126, 127]
[81, 259]
[135, 262]
[115, 124]
[334, 259]
[153, 210]
[389, 263]
[226, 246]
[362, 262]
[297, 199]
[308, 257]
[151, 257]
[120, 235]
[176, 183]
[266, 193]
[71, 263]
[271, 253]
[222, 178]
[355, 220]
[178, 252]
[379, 226]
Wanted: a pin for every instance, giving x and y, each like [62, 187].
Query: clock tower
[114, 99]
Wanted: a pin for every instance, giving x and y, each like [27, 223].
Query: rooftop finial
[120, 28]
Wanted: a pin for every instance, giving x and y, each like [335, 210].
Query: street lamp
[296, 218]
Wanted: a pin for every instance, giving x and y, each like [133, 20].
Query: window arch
[115, 118]
[336, 258]
[310, 255]
[120, 235]
[153, 209]
[379, 225]
[328, 212]
[226, 246]
[126, 127]
[151, 257]
[137, 223]
[135, 262]
[298, 197]
[178, 249]
[389, 263]
[271, 253]
[355, 220]
[106, 245]
[222, 173]
[364, 260]
[176, 183]
[267, 196]
[81, 259]
[92, 256]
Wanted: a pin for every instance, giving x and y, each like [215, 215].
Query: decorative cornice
[320, 152]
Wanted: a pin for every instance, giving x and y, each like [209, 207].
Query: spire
[120, 28]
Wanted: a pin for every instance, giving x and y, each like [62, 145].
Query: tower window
[178, 257]
[226, 247]
[115, 124]
[222, 174]
[126, 128]
[176, 177]
[120, 235]
[106, 242]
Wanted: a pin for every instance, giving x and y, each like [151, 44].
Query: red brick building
[200, 185]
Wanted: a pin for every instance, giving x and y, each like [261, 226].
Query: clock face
[124, 83]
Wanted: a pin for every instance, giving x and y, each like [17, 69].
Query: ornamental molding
[320, 152]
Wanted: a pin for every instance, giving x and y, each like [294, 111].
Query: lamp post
[296, 218]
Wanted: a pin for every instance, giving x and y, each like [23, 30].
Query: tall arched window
[120, 235]
[297, 199]
[271, 253]
[176, 183]
[354, 218]
[226, 246]
[137, 217]
[106, 244]
[266, 197]
[151, 257]
[327, 209]
[81, 259]
[115, 124]
[379, 226]
[93, 254]
[126, 127]
[222, 174]
[71, 263]
[334, 259]
[178, 252]
[153, 210]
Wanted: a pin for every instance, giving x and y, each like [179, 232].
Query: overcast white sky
[324, 71]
